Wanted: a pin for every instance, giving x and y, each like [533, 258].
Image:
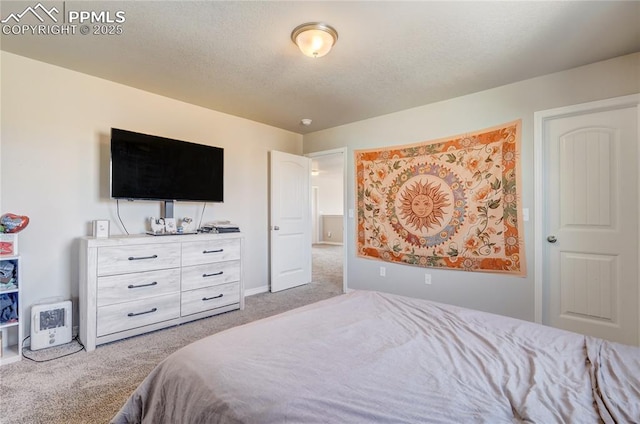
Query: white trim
[256, 290]
[345, 210]
[332, 243]
[315, 216]
[540, 119]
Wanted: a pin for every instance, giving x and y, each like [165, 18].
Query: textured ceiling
[237, 57]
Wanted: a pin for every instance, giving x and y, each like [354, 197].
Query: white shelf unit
[130, 285]
[12, 330]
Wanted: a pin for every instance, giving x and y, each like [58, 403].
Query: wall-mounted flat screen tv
[149, 167]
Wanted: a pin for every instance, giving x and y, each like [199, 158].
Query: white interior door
[290, 221]
[590, 209]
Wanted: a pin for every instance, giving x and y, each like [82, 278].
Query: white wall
[330, 193]
[55, 167]
[513, 296]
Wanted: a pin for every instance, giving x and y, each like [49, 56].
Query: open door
[290, 224]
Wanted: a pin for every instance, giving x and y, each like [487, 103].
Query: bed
[371, 357]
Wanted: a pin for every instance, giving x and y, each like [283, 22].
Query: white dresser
[131, 285]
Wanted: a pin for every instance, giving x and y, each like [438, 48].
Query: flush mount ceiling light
[314, 39]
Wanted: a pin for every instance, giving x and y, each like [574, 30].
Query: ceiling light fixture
[314, 39]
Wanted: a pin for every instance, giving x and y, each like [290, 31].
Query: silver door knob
[276, 228]
[552, 239]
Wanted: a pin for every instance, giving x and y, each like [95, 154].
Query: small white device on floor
[50, 324]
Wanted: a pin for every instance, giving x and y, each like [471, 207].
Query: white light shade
[314, 39]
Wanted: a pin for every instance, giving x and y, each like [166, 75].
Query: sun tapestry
[451, 203]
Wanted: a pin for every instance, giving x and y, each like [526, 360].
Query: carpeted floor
[91, 387]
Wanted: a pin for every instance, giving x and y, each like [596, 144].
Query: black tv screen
[156, 168]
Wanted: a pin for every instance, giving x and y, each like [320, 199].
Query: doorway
[587, 229]
[328, 182]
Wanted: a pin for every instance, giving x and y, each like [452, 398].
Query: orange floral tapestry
[451, 203]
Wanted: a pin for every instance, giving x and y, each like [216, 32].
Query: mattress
[372, 357]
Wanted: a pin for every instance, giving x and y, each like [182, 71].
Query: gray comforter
[369, 357]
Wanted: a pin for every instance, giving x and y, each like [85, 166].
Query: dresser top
[132, 239]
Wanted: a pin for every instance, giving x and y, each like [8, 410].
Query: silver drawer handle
[133, 258]
[213, 251]
[133, 314]
[131, 286]
[214, 297]
[212, 275]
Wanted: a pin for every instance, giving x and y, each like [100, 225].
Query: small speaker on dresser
[101, 228]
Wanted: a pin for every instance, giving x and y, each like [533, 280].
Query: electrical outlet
[383, 271]
[329, 234]
[427, 278]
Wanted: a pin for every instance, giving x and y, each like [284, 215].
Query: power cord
[57, 357]
[202, 215]
[118, 212]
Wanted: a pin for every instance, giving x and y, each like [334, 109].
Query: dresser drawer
[138, 313]
[136, 286]
[204, 252]
[200, 300]
[144, 257]
[198, 276]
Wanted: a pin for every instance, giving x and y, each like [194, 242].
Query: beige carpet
[91, 387]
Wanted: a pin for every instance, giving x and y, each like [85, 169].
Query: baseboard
[333, 243]
[256, 290]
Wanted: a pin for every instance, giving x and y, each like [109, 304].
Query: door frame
[540, 119]
[342, 150]
[315, 228]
